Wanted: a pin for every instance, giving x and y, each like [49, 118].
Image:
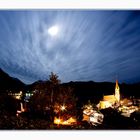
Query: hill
[9, 83]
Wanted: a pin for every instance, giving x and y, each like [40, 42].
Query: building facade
[110, 100]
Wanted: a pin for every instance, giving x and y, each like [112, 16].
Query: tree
[64, 102]
[41, 87]
[53, 98]
[53, 78]
[54, 82]
[42, 101]
[38, 101]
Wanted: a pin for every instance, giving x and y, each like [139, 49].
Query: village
[91, 113]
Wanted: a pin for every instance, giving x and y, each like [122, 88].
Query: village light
[57, 121]
[63, 107]
[89, 107]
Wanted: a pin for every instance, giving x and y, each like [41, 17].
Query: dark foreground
[11, 122]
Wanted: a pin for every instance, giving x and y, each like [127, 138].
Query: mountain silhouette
[8, 83]
[88, 90]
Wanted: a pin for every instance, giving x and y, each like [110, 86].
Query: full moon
[53, 31]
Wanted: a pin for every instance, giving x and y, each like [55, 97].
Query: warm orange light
[70, 121]
[63, 107]
[17, 97]
[57, 121]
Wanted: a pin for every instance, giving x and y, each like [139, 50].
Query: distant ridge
[9, 83]
[82, 89]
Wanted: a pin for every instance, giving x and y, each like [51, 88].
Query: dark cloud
[90, 45]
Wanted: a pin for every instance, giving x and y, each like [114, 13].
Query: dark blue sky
[90, 45]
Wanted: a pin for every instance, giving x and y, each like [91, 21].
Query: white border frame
[69, 135]
[70, 4]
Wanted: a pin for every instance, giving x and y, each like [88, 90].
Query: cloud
[91, 45]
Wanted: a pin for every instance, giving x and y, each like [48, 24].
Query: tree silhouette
[64, 102]
[38, 104]
[53, 78]
[53, 99]
[54, 82]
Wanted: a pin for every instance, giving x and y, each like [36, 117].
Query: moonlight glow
[78, 45]
[53, 31]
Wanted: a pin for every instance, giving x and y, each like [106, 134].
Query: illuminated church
[110, 100]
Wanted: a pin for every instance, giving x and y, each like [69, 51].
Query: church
[110, 100]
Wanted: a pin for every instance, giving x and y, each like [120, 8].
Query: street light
[63, 107]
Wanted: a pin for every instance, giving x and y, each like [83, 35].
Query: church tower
[117, 91]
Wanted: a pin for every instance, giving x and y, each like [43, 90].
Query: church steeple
[117, 91]
[117, 86]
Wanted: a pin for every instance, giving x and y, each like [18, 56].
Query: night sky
[89, 45]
